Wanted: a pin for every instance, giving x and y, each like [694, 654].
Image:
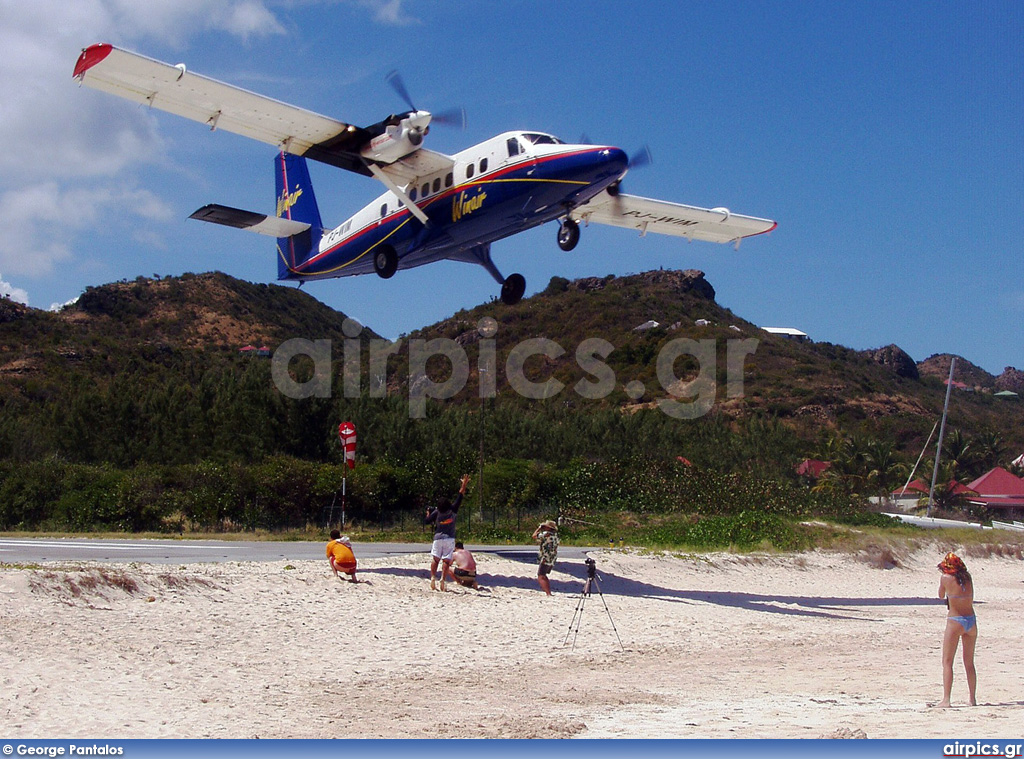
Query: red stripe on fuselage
[288, 208]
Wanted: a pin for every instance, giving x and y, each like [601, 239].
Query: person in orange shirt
[339, 553]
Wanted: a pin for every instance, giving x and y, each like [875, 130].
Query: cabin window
[513, 146]
[412, 194]
[483, 165]
[437, 184]
[425, 189]
[449, 179]
[469, 171]
[384, 210]
[542, 139]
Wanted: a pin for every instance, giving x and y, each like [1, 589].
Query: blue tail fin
[296, 201]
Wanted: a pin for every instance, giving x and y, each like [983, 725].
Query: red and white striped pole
[347, 435]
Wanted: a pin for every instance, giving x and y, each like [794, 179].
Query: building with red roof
[812, 468]
[998, 489]
[910, 495]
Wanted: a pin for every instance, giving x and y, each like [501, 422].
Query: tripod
[577, 615]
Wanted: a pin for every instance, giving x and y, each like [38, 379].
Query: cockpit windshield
[541, 139]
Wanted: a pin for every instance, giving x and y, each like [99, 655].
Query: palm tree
[850, 465]
[885, 472]
[958, 453]
[989, 450]
[949, 495]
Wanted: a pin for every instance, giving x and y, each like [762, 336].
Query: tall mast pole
[942, 430]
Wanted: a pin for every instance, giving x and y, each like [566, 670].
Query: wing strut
[414, 209]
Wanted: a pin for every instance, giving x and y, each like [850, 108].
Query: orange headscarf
[952, 564]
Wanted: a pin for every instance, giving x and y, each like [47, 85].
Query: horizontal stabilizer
[249, 221]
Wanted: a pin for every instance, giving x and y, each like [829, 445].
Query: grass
[86, 583]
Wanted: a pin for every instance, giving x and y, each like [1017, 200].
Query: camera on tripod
[577, 617]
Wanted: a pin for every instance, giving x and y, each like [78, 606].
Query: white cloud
[41, 220]
[250, 19]
[173, 21]
[389, 12]
[7, 290]
[69, 155]
[61, 306]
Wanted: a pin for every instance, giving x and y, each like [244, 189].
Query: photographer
[442, 517]
[547, 534]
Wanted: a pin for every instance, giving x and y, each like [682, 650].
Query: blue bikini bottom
[965, 622]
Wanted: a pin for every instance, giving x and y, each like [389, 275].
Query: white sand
[812, 646]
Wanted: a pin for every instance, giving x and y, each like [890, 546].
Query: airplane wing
[647, 215]
[295, 130]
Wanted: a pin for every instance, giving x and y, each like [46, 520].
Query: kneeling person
[339, 553]
[464, 566]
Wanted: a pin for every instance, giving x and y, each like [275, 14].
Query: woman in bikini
[957, 588]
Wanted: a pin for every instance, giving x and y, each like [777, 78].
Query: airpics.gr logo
[287, 200]
[689, 396]
[463, 206]
[978, 748]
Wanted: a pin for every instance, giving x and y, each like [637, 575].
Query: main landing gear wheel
[385, 262]
[568, 234]
[512, 290]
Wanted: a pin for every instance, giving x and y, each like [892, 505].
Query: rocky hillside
[611, 343]
[152, 319]
[814, 387]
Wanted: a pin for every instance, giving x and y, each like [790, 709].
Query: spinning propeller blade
[395, 80]
[641, 158]
[638, 160]
[450, 117]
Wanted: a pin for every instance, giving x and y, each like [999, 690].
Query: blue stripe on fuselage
[481, 210]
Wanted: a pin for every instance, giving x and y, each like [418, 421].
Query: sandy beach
[811, 645]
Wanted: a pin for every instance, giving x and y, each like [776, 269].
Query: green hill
[814, 389]
[163, 370]
[137, 407]
[127, 354]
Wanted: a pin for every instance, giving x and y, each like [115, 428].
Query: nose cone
[616, 160]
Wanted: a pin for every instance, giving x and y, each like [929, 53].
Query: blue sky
[885, 138]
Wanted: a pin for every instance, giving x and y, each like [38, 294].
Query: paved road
[28, 550]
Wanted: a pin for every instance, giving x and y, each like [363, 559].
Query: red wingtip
[90, 57]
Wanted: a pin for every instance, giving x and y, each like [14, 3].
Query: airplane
[437, 207]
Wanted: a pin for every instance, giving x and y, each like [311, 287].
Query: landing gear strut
[568, 234]
[512, 287]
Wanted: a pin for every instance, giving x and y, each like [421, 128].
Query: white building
[789, 333]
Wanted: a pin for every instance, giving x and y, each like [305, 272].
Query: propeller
[638, 160]
[450, 117]
[641, 158]
[398, 85]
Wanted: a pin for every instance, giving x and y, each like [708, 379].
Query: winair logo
[463, 206]
[287, 200]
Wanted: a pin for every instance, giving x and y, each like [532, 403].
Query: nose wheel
[512, 289]
[568, 234]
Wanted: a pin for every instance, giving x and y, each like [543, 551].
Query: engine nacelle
[399, 136]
